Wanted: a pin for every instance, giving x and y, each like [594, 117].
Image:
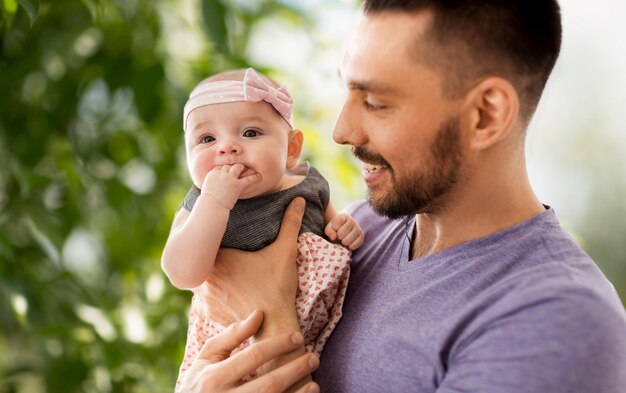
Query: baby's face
[248, 133]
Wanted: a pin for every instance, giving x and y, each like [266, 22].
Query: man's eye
[207, 139]
[371, 106]
[251, 133]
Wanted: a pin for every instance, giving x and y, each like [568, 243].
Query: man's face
[397, 119]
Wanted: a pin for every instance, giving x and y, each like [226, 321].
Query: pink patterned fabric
[253, 88]
[323, 272]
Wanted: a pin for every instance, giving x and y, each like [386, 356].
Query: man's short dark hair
[519, 40]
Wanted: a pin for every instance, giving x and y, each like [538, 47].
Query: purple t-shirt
[521, 310]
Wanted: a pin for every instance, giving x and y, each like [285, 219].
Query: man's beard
[422, 190]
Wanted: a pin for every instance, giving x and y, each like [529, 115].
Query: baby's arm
[195, 236]
[342, 228]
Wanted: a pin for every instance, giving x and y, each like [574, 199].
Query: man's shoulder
[556, 288]
[566, 334]
[570, 299]
[551, 304]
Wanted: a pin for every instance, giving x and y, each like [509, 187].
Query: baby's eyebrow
[206, 126]
[200, 127]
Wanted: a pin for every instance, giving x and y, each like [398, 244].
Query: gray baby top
[254, 223]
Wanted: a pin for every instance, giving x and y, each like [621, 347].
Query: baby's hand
[224, 185]
[343, 228]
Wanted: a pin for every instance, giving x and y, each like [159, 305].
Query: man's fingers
[292, 220]
[219, 347]
[280, 379]
[310, 387]
[253, 357]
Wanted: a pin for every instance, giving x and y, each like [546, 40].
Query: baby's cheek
[199, 165]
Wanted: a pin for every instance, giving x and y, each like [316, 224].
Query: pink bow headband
[253, 89]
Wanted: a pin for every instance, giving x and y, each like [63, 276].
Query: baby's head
[241, 117]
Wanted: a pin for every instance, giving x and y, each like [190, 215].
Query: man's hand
[214, 371]
[224, 185]
[344, 229]
[266, 279]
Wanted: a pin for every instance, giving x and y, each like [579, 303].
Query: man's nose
[349, 127]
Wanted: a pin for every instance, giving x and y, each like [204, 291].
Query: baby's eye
[251, 133]
[207, 139]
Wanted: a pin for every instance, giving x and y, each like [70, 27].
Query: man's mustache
[367, 156]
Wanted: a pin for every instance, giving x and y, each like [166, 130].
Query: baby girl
[242, 154]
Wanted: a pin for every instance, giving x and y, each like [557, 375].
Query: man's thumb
[292, 220]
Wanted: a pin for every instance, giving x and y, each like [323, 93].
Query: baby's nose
[229, 148]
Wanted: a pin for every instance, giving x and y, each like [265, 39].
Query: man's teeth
[373, 168]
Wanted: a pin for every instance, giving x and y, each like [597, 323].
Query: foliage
[90, 151]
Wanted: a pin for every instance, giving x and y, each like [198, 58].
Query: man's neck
[472, 217]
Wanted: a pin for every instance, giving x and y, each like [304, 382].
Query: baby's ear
[294, 147]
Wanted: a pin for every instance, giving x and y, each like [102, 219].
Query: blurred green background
[92, 170]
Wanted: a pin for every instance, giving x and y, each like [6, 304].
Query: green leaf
[95, 7]
[31, 7]
[214, 15]
[146, 84]
[9, 7]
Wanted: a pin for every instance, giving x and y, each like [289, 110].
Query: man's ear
[294, 147]
[491, 109]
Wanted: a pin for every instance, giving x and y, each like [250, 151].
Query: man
[466, 282]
